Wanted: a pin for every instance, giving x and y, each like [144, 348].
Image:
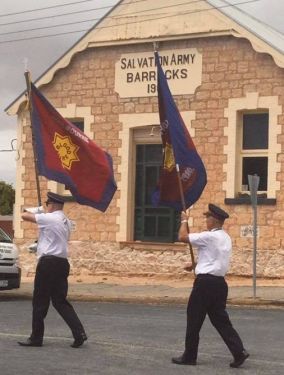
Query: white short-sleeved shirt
[214, 250]
[54, 233]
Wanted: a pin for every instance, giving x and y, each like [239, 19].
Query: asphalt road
[135, 339]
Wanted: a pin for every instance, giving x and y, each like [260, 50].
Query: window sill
[153, 246]
[247, 200]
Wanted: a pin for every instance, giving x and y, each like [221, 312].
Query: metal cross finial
[156, 46]
[25, 61]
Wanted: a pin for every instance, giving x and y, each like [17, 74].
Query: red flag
[68, 156]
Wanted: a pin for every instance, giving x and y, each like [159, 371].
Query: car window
[4, 237]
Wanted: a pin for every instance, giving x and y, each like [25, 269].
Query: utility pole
[253, 181]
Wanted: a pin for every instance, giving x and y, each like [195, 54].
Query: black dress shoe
[183, 361]
[30, 342]
[79, 340]
[239, 360]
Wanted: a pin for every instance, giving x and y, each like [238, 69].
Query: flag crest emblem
[66, 150]
[169, 159]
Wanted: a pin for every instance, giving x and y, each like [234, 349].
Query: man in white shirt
[210, 290]
[51, 278]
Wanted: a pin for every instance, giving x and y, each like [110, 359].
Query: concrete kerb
[151, 300]
[139, 294]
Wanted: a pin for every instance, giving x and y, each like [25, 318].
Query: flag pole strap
[184, 209]
[28, 82]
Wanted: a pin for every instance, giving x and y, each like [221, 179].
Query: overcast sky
[41, 53]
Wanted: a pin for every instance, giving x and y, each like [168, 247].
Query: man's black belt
[208, 276]
[51, 257]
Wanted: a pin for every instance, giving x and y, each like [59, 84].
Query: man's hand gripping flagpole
[185, 218]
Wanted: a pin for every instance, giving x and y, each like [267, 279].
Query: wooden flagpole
[28, 82]
[184, 209]
[156, 46]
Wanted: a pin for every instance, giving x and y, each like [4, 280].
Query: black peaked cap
[216, 212]
[55, 198]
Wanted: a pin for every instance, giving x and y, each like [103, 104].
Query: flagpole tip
[156, 46]
[25, 62]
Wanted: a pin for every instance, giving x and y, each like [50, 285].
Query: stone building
[226, 73]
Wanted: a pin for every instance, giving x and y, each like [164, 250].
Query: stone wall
[108, 258]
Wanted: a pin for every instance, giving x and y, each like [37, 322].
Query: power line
[45, 8]
[64, 14]
[253, 17]
[187, 2]
[48, 27]
[96, 19]
[128, 23]
[43, 36]
[101, 8]
[52, 16]
[12, 146]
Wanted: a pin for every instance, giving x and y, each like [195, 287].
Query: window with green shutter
[152, 224]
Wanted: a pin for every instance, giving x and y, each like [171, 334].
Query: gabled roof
[140, 21]
[263, 31]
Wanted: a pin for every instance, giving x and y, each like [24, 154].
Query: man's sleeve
[43, 220]
[198, 239]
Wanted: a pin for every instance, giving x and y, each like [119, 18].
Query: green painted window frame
[151, 224]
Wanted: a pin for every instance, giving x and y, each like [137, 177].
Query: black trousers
[209, 296]
[51, 284]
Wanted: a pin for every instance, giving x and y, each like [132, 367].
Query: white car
[10, 272]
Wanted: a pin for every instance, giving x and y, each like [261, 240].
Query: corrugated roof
[263, 31]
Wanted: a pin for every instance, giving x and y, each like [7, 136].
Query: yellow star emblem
[169, 160]
[66, 150]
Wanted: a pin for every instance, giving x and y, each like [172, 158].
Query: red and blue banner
[66, 155]
[178, 149]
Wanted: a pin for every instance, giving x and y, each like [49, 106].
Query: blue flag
[178, 148]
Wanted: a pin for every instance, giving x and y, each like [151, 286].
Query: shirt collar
[214, 229]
